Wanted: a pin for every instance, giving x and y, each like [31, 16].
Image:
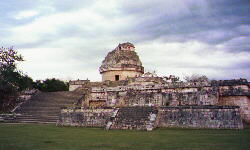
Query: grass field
[49, 137]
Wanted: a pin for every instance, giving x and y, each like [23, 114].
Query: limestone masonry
[148, 118]
[121, 63]
[128, 98]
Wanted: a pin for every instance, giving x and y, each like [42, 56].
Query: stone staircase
[44, 107]
[138, 118]
[112, 117]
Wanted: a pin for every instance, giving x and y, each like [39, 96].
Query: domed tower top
[121, 63]
[126, 46]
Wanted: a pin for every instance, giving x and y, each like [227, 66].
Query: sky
[69, 39]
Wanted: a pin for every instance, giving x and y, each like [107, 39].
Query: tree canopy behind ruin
[51, 85]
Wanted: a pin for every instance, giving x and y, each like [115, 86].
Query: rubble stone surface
[148, 118]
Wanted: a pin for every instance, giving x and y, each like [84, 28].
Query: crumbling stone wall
[146, 81]
[73, 85]
[234, 91]
[202, 97]
[123, 74]
[155, 95]
[233, 82]
[147, 118]
[112, 98]
[143, 98]
[84, 117]
[242, 101]
[216, 117]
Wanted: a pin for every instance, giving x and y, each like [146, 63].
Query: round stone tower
[121, 63]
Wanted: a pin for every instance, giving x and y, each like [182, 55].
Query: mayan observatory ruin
[129, 98]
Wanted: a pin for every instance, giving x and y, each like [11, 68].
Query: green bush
[51, 85]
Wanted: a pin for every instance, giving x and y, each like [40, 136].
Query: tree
[9, 56]
[12, 81]
[51, 85]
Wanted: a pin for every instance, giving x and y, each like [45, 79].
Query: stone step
[34, 120]
[48, 104]
[24, 121]
[45, 115]
[45, 107]
[24, 117]
[40, 110]
[139, 118]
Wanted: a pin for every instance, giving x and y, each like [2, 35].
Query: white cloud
[53, 62]
[26, 14]
[191, 57]
[71, 43]
[91, 20]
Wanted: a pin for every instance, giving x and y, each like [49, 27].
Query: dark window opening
[116, 77]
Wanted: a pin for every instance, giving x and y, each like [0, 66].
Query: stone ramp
[137, 118]
[45, 107]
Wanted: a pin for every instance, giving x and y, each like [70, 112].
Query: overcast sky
[69, 39]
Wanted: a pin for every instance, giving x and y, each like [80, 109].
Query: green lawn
[49, 137]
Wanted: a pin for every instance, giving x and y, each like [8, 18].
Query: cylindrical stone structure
[121, 63]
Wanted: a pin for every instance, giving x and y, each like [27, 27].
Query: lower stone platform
[148, 118]
[215, 117]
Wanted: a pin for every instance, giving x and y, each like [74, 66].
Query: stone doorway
[117, 77]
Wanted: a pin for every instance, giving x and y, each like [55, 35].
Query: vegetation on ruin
[50, 137]
[196, 78]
